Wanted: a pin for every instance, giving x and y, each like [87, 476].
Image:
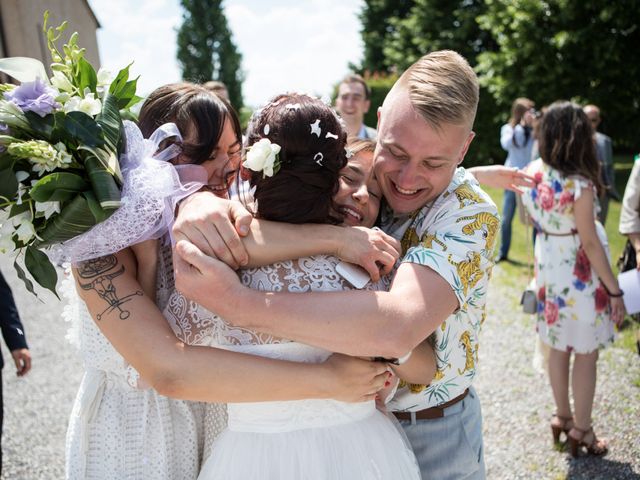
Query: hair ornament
[348, 153]
[318, 157]
[263, 157]
[331, 135]
[292, 106]
[315, 128]
[266, 129]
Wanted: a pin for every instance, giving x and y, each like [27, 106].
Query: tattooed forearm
[100, 272]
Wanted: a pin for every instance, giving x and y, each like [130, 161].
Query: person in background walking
[13, 334]
[516, 137]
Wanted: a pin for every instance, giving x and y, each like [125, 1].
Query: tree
[449, 25]
[584, 50]
[206, 50]
[377, 17]
[396, 35]
[581, 50]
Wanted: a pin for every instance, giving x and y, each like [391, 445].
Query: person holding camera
[516, 137]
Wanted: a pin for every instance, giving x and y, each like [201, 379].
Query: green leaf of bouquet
[8, 184]
[41, 269]
[18, 209]
[74, 219]
[59, 132]
[126, 93]
[84, 128]
[127, 114]
[103, 184]
[111, 123]
[135, 99]
[58, 187]
[6, 161]
[120, 81]
[87, 77]
[23, 276]
[41, 125]
[99, 213]
[108, 160]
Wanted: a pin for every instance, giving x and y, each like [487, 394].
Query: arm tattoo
[100, 273]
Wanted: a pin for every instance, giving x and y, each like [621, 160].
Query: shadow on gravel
[593, 468]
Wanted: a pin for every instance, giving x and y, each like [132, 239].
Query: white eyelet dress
[119, 429]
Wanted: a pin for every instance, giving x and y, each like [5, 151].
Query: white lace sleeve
[198, 326]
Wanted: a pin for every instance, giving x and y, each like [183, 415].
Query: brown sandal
[596, 447]
[564, 425]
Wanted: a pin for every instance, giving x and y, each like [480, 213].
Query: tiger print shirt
[455, 236]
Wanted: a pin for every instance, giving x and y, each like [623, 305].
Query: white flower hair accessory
[263, 157]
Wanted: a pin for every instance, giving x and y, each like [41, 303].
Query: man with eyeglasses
[604, 150]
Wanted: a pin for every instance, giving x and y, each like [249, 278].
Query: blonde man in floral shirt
[448, 227]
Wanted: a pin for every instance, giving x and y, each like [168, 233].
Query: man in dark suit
[13, 334]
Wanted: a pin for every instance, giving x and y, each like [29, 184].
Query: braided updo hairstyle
[302, 190]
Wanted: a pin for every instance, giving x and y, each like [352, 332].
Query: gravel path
[37, 407]
[516, 400]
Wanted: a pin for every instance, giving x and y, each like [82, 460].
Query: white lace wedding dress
[120, 429]
[303, 439]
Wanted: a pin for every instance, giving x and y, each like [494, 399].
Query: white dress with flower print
[573, 306]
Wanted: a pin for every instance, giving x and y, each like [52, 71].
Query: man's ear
[464, 150]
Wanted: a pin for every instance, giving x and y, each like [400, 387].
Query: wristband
[613, 295]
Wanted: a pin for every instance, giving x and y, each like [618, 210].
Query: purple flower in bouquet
[34, 96]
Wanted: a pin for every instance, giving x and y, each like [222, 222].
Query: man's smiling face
[415, 162]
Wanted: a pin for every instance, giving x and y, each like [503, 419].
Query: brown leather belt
[433, 412]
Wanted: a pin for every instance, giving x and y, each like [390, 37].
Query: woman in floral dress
[579, 299]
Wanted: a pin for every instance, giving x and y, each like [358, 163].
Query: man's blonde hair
[443, 88]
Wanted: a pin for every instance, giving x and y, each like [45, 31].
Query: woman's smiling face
[359, 194]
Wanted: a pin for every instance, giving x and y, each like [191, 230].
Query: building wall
[22, 27]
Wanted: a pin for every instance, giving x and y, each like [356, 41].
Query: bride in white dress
[310, 439]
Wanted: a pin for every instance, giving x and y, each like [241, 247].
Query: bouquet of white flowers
[60, 144]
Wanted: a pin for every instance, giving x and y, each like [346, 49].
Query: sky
[287, 45]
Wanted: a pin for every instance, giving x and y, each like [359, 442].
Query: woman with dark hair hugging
[298, 172]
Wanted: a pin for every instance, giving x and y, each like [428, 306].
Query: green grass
[517, 272]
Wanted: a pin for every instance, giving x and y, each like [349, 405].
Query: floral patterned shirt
[455, 237]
